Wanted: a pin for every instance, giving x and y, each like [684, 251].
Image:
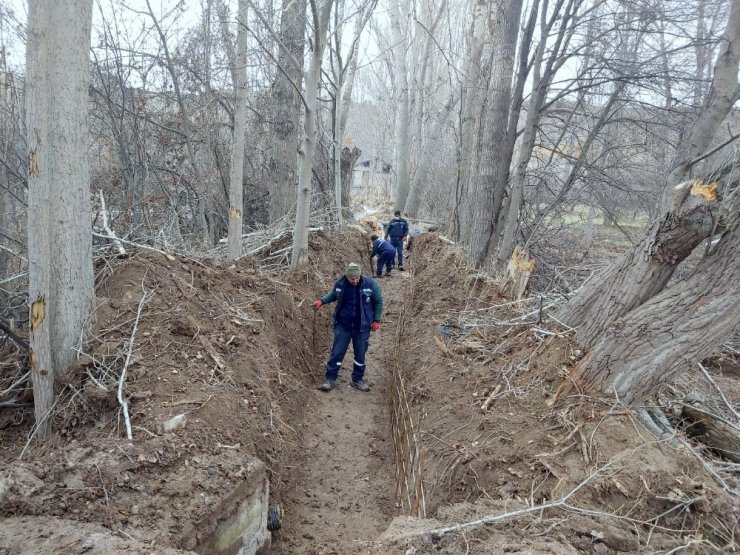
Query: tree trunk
[403, 121]
[537, 98]
[283, 166]
[644, 271]
[495, 152]
[61, 291]
[236, 186]
[471, 101]
[349, 159]
[344, 76]
[713, 431]
[336, 153]
[427, 157]
[321, 14]
[421, 87]
[674, 330]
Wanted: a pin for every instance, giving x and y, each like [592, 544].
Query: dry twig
[121, 399]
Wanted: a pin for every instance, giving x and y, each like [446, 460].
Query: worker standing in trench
[359, 311]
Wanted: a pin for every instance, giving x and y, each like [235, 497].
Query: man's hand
[375, 326]
[318, 304]
[404, 238]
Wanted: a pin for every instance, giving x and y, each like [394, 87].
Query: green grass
[579, 217]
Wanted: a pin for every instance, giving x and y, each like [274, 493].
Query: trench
[357, 463]
[359, 466]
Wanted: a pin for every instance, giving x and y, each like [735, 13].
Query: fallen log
[717, 433]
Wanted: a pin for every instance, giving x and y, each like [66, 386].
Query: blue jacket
[381, 247]
[371, 300]
[397, 228]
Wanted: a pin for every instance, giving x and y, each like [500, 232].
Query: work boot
[328, 385]
[361, 385]
[400, 269]
[388, 274]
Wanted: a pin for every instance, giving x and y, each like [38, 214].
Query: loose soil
[240, 352]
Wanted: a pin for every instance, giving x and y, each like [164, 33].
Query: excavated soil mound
[482, 373]
[235, 350]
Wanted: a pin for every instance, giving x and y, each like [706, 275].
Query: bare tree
[666, 335]
[471, 104]
[490, 180]
[286, 94]
[344, 69]
[119, 108]
[61, 290]
[203, 216]
[687, 216]
[236, 187]
[320, 10]
[400, 52]
[544, 69]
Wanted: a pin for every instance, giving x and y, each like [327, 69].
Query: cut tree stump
[712, 430]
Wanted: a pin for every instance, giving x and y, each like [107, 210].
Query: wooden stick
[106, 227]
[491, 397]
[121, 399]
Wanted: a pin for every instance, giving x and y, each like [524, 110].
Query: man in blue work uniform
[359, 310]
[396, 232]
[386, 255]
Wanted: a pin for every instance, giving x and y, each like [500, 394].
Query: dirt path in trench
[339, 497]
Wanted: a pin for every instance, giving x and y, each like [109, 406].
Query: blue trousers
[398, 243]
[384, 260]
[342, 336]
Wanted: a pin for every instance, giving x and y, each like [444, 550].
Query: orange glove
[317, 304]
[375, 326]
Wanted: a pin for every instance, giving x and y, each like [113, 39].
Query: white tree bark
[321, 9]
[236, 187]
[403, 120]
[61, 289]
[338, 108]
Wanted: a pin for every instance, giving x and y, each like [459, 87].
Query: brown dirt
[240, 351]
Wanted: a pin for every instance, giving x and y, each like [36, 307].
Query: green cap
[352, 270]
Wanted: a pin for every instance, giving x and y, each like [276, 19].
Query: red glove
[375, 326]
[318, 304]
